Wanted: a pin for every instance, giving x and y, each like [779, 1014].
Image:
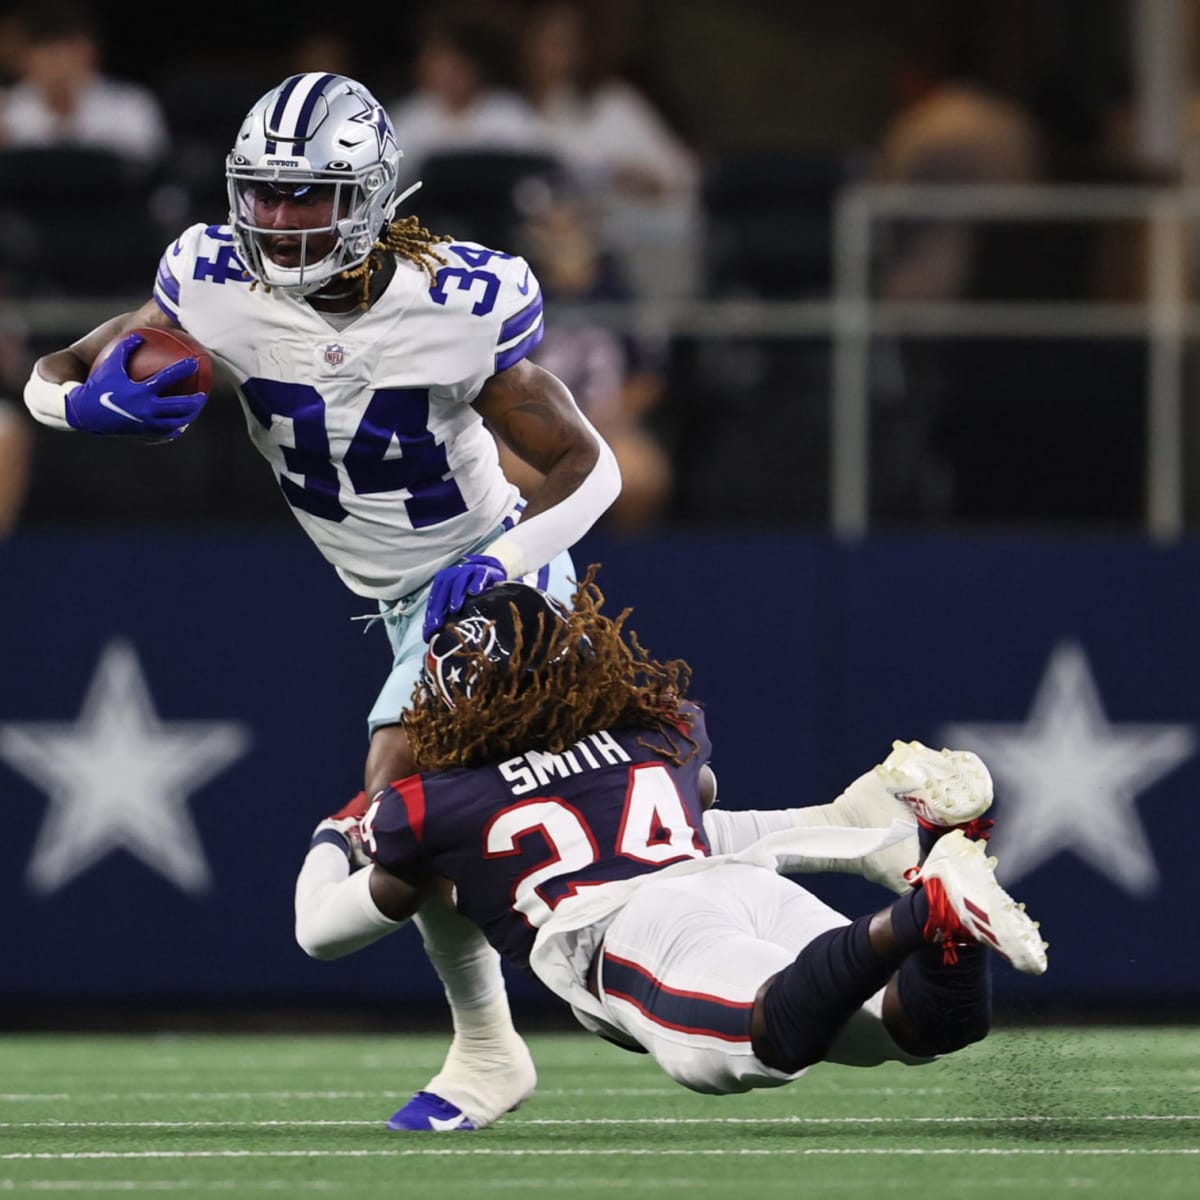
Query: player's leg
[939, 1002]
[681, 964]
[938, 790]
[488, 1069]
[802, 1011]
[931, 1007]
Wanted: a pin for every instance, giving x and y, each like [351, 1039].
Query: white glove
[345, 832]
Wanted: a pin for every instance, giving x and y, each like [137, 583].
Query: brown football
[160, 348]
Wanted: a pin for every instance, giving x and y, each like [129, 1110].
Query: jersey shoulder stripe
[500, 292]
[522, 321]
[171, 267]
[166, 289]
[521, 332]
[412, 792]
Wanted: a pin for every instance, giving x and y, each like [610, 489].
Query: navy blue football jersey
[520, 836]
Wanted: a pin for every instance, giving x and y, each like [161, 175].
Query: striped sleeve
[166, 282]
[523, 329]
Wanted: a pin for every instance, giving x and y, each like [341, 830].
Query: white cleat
[940, 789]
[943, 788]
[967, 904]
[482, 1078]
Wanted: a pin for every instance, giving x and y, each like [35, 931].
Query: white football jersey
[369, 428]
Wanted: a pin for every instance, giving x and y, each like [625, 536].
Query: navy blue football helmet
[487, 625]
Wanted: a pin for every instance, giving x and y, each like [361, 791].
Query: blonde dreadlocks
[589, 678]
[406, 238]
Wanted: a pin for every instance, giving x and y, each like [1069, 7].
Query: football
[160, 348]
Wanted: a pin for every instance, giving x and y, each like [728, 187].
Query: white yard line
[515, 1122]
[641, 1152]
[106, 1097]
[338, 1186]
[381, 1095]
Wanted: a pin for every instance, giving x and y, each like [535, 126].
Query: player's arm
[75, 361]
[62, 394]
[534, 414]
[339, 907]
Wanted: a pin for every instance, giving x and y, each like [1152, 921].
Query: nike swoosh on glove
[453, 584]
[109, 402]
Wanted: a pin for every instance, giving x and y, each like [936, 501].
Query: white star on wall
[1067, 778]
[118, 778]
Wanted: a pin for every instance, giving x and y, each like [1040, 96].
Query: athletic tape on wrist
[48, 401]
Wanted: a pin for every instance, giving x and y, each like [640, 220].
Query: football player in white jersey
[367, 354]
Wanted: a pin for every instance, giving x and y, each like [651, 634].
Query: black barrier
[178, 711]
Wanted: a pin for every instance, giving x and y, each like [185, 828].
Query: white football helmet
[315, 129]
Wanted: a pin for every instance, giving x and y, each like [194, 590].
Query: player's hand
[453, 584]
[344, 829]
[110, 402]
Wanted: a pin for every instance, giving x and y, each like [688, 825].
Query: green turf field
[1042, 1113]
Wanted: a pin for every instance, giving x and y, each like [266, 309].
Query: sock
[809, 1001]
[909, 916]
[467, 965]
[488, 1069]
[925, 839]
[947, 1006]
[979, 829]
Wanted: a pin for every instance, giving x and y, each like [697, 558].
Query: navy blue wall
[1071, 664]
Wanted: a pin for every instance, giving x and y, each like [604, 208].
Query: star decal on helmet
[374, 116]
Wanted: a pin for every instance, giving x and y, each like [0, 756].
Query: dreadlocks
[590, 678]
[406, 238]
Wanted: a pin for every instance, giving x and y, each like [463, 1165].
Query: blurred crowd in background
[649, 158]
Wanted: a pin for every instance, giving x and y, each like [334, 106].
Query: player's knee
[932, 1009]
[785, 1035]
[806, 1005]
[761, 1041]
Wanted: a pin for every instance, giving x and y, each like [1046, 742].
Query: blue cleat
[427, 1113]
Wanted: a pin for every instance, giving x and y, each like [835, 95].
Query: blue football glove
[453, 584]
[110, 402]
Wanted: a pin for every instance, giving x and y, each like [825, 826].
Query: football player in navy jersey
[367, 355]
[575, 834]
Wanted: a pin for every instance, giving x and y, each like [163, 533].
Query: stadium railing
[851, 316]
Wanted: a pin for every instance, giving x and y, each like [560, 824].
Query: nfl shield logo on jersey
[334, 355]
